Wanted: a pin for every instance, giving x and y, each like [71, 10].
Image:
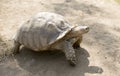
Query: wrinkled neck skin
[73, 34]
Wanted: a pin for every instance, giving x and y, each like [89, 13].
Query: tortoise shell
[42, 30]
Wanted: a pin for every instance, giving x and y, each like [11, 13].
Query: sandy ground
[100, 52]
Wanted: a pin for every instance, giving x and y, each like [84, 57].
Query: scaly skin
[69, 53]
[67, 47]
[76, 45]
[16, 47]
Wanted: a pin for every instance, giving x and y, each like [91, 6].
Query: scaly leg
[16, 47]
[69, 53]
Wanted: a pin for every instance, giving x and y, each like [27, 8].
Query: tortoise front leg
[70, 53]
[16, 47]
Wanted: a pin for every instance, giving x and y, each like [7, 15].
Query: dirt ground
[100, 52]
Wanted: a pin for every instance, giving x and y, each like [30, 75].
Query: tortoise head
[78, 30]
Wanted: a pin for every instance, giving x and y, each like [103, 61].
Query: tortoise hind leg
[76, 45]
[16, 47]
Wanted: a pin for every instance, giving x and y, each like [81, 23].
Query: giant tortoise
[50, 31]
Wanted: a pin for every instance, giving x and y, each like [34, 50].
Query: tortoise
[50, 31]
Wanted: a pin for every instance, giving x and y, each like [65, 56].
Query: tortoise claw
[72, 62]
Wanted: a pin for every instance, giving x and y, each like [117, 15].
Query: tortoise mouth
[87, 29]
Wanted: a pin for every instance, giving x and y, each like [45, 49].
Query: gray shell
[42, 30]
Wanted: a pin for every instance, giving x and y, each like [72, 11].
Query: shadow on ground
[54, 63]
